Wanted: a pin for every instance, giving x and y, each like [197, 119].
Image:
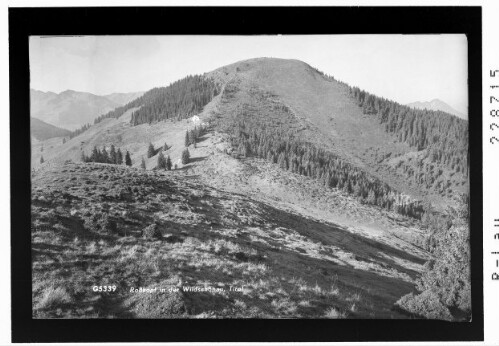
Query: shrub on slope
[445, 284]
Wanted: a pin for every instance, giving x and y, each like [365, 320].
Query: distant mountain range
[437, 105]
[71, 109]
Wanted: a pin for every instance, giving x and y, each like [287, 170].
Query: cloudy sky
[404, 68]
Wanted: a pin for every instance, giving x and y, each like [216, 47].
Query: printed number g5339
[104, 288]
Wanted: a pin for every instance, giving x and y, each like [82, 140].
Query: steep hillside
[42, 131]
[322, 111]
[437, 105]
[69, 109]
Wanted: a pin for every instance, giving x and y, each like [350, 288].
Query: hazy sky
[404, 68]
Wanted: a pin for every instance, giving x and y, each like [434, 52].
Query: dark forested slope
[180, 100]
[444, 135]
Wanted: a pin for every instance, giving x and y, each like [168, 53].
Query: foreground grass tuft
[334, 313]
[54, 298]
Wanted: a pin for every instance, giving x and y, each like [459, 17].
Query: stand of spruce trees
[76, 132]
[103, 156]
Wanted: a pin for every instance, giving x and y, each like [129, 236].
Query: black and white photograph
[250, 177]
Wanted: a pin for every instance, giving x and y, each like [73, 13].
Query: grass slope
[295, 248]
[119, 132]
[286, 263]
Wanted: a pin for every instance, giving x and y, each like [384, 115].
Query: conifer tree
[119, 157]
[185, 156]
[42, 160]
[161, 161]
[112, 154]
[165, 147]
[168, 163]
[186, 141]
[63, 140]
[143, 164]
[94, 156]
[128, 160]
[104, 156]
[192, 137]
[282, 161]
[150, 151]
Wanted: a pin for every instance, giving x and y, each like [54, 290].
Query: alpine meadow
[265, 188]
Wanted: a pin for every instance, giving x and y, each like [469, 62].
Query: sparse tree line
[79, 131]
[277, 146]
[328, 77]
[192, 136]
[163, 163]
[166, 163]
[114, 156]
[443, 135]
[152, 151]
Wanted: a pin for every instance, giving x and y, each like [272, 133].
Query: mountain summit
[437, 105]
